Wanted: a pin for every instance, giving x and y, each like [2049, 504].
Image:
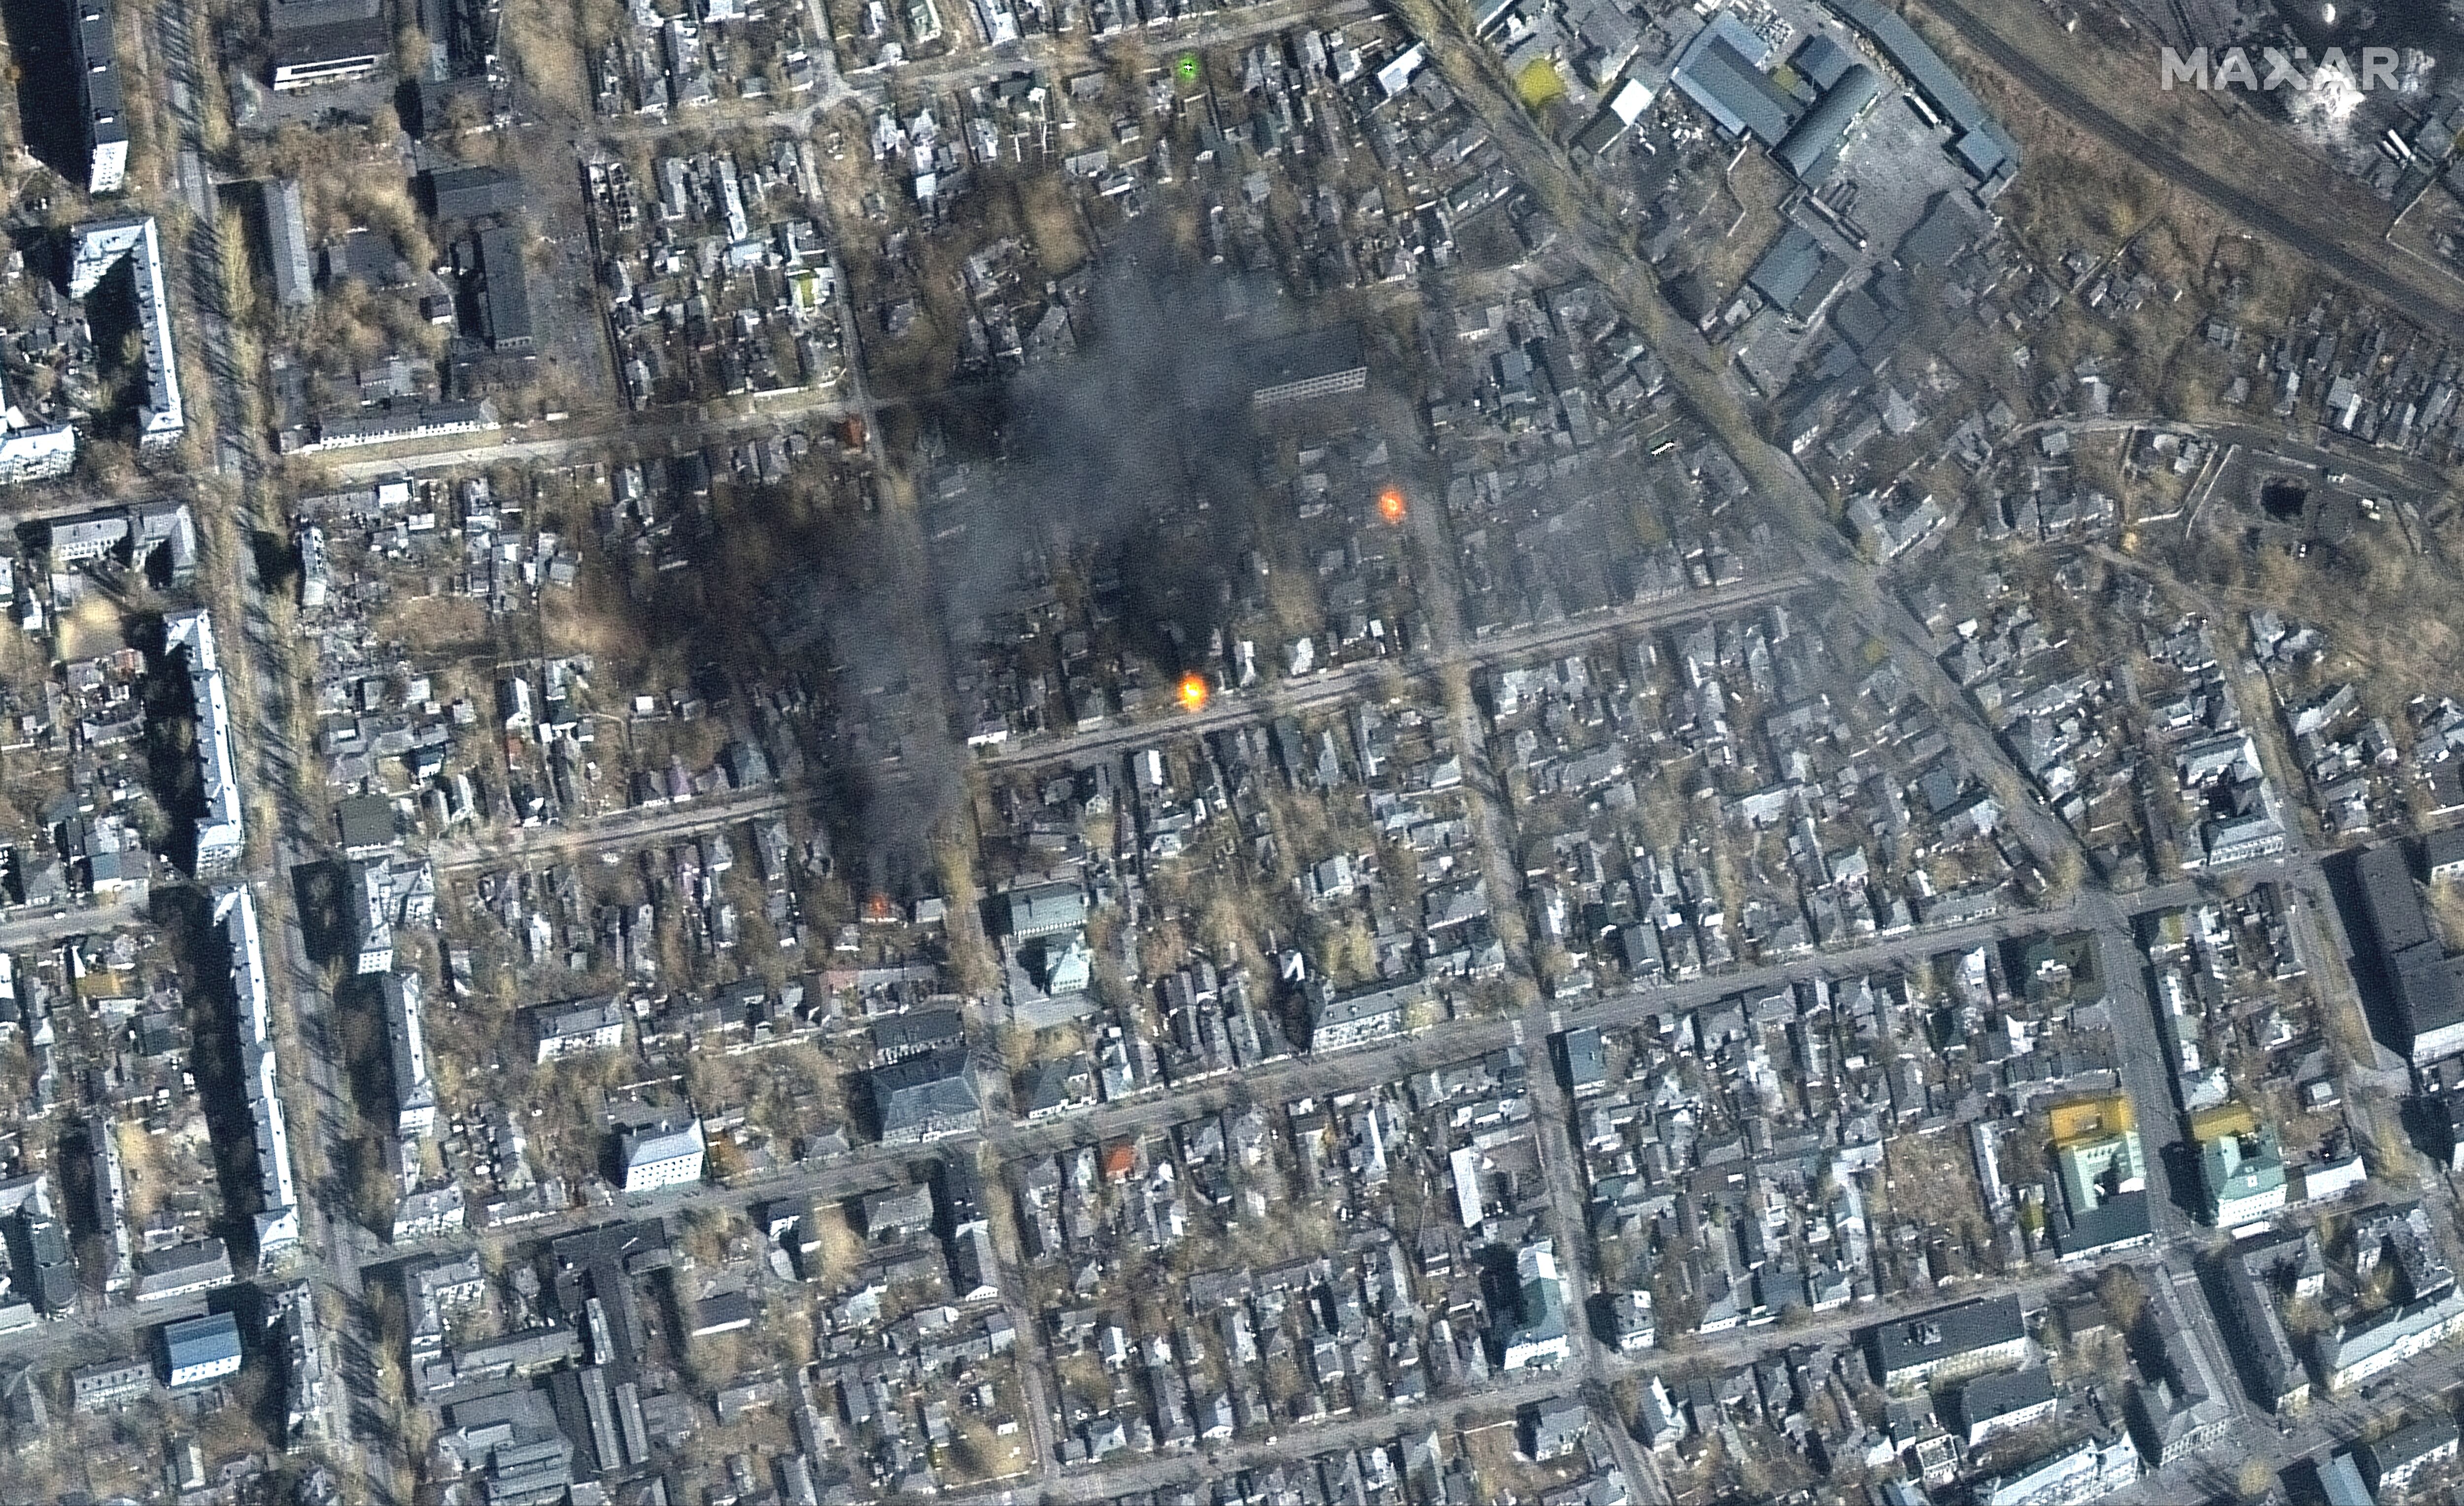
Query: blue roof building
[199, 1351]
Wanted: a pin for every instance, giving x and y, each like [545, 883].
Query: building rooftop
[2340, 1483]
[366, 821]
[286, 236]
[2409, 1445]
[201, 1341]
[464, 193]
[1946, 1333]
[1812, 146]
[2119, 1220]
[1947, 229]
[2398, 920]
[1329, 355]
[1980, 143]
[96, 251]
[1726, 80]
[1786, 273]
[504, 288]
[1042, 909]
[662, 1139]
[1990, 1397]
[921, 1089]
[581, 1017]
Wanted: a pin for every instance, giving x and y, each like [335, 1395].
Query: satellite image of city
[1231, 752]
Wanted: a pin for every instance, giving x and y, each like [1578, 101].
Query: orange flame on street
[1193, 692]
[1389, 504]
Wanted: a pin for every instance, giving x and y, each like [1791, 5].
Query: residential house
[576, 1028]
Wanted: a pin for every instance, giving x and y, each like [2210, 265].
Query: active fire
[1193, 692]
[1389, 504]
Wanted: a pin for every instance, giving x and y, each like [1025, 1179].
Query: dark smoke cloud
[1137, 452]
[1139, 448]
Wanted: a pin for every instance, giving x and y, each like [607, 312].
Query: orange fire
[1193, 692]
[1389, 504]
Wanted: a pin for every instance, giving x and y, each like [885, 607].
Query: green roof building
[2243, 1175]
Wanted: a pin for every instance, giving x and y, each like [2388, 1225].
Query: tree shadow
[171, 733]
[320, 900]
[277, 561]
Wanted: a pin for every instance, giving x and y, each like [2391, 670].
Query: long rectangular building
[2348, 1356]
[1302, 368]
[286, 243]
[426, 421]
[504, 290]
[327, 41]
[2270, 1367]
[277, 1217]
[2092, 1467]
[220, 834]
[2185, 1411]
[99, 95]
[1964, 1338]
[1722, 71]
[414, 1089]
[1977, 138]
[43, 453]
[2425, 982]
[96, 251]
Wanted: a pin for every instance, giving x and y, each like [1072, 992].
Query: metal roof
[1735, 93]
[663, 1140]
[1812, 147]
[922, 1088]
[1787, 270]
[201, 1341]
[1822, 61]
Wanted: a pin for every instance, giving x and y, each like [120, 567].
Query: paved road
[29, 932]
[2330, 1424]
[2147, 1071]
[650, 824]
[1093, 1483]
[1593, 1361]
[1238, 708]
[88, 1337]
[869, 1167]
[618, 828]
[251, 657]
